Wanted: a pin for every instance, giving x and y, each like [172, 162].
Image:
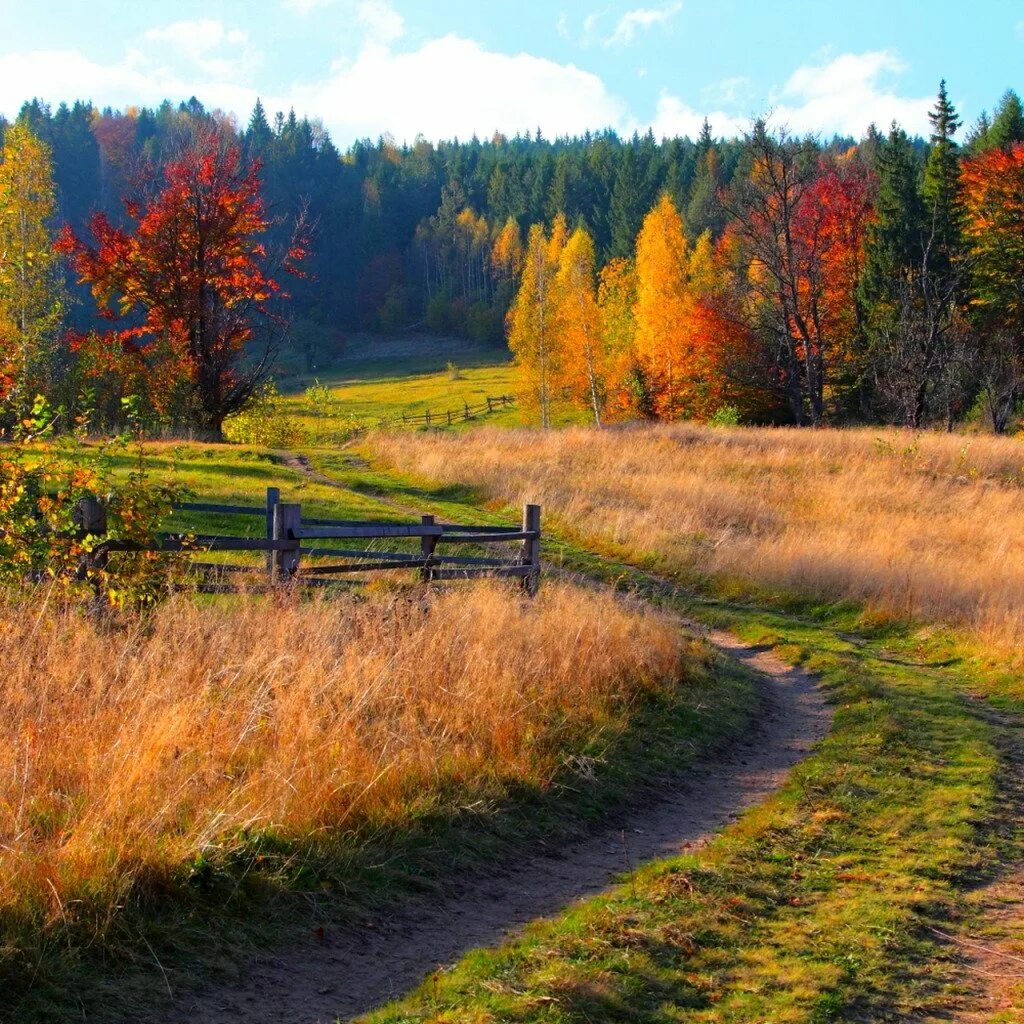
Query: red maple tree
[191, 281]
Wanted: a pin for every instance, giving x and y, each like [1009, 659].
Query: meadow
[148, 759]
[229, 750]
[919, 527]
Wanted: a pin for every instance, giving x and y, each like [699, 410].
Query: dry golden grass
[125, 753]
[927, 526]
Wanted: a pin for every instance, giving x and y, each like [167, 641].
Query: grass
[815, 907]
[818, 906]
[407, 376]
[925, 527]
[165, 784]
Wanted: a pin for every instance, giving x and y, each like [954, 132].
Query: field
[336, 736]
[922, 527]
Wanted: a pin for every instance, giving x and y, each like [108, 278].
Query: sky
[452, 68]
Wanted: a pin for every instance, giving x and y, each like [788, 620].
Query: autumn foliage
[188, 286]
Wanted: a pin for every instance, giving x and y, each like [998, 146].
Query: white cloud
[203, 42]
[729, 91]
[846, 94]
[640, 20]
[843, 95]
[674, 117]
[453, 86]
[57, 75]
[305, 7]
[449, 86]
[380, 21]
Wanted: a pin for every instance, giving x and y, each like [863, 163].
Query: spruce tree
[895, 238]
[941, 188]
[628, 206]
[703, 212]
[1007, 123]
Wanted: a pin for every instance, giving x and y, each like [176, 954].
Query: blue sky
[454, 67]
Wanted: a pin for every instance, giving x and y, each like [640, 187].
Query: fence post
[427, 545]
[531, 548]
[449, 417]
[466, 415]
[489, 407]
[287, 521]
[428, 417]
[273, 497]
[90, 517]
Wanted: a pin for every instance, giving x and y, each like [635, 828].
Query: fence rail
[447, 417]
[290, 559]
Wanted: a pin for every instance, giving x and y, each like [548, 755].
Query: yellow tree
[507, 252]
[660, 312]
[616, 300]
[532, 336]
[31, 305]
[578, 324]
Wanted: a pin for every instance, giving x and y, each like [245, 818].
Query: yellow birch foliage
[507, 252]
[532, 335]
[30, 289]
[578, 324]
[662, 264]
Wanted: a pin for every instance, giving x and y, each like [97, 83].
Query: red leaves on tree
[189, 284]
[993, 184]
[828, 229]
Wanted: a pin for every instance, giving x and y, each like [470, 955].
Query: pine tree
[895, 237]
[627, 208]
[941, 188]
[31, 290]
[1007, 123]
[703, 212]
[258, 136]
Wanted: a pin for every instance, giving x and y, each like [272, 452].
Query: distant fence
[290, 557]
[446, 417]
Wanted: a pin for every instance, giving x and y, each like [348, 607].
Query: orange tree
[993, 193]
[189, 284]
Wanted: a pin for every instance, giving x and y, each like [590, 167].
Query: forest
[762, 279]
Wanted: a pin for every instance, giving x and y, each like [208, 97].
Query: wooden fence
[301, 549]
[447, 417]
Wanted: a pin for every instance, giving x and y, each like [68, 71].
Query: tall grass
[127, 753]
[926, 526]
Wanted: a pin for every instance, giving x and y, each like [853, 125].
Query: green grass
[818, 905]
[396, 377]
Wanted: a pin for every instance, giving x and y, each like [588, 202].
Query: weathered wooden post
[428, 417]
[90, 518]
[287, 523]
[427, 546]
[449, 417]
[466, 415]
[531, 548]
[490, 408]
[273, 497]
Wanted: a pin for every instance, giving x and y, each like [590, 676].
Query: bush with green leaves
[43, 478]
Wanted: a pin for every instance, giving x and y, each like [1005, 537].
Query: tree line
[766, 277]
[869, 282]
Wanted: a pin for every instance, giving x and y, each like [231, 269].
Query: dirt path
[351, 970]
